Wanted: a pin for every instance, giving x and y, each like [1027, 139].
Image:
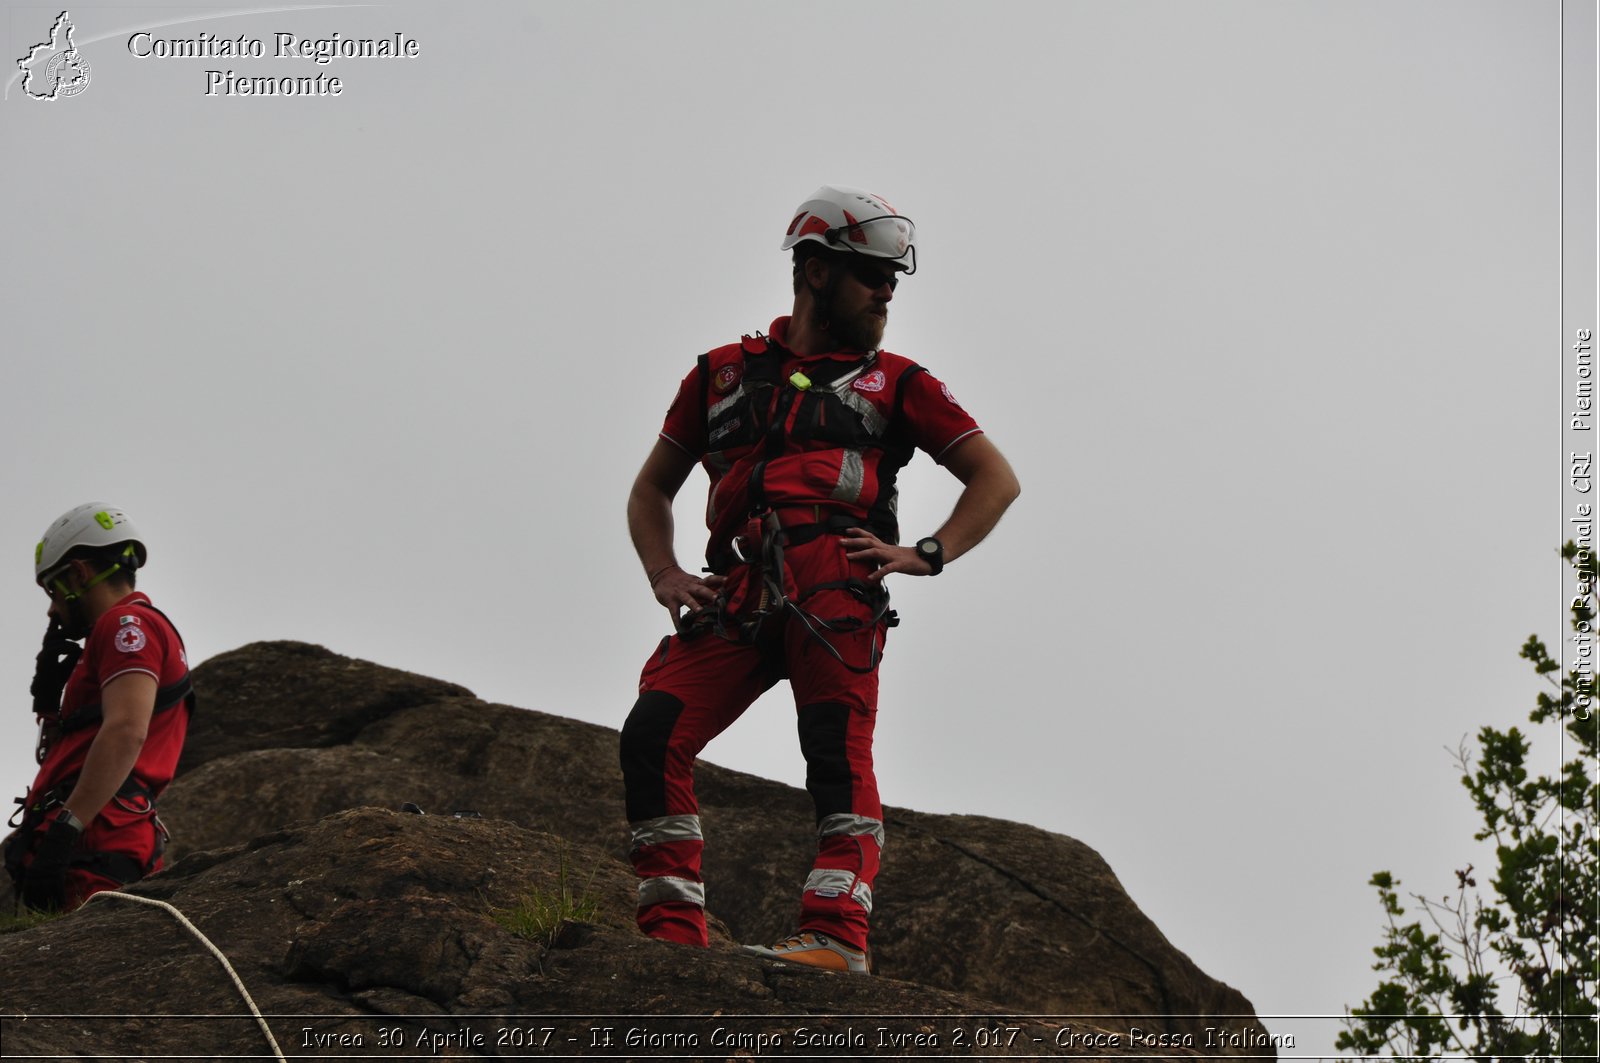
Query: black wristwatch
[931, 550]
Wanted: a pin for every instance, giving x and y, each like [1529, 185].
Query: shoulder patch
[129, 619]
[870, 382]
[725, 379]
[129, 639]
[945, 389]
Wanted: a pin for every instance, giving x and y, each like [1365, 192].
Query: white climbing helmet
[91, 524]
[844, 219]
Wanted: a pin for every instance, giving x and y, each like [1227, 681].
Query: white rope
[243, 992]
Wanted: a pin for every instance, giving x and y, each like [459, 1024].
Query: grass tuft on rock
[24, 919]
[541, 914]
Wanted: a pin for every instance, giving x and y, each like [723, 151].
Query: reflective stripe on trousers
[829, 882]
[845, 823]
[666, 889]
[838, 882]
[665, 829]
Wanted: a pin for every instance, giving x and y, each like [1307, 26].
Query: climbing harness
[132, 796]
[765, 413]
[760, 552]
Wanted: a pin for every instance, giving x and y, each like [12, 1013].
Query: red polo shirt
[130, 637]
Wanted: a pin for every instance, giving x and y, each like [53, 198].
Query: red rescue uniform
[817, 442]
[124, 841]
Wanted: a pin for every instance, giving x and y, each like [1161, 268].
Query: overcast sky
[1260, 298]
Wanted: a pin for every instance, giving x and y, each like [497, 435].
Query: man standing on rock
[802, 433]
[112, 717]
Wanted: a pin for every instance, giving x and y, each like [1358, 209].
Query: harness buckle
[41, 748]
[140, 803]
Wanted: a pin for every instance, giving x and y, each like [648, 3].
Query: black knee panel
[823, 728]
[644, 753]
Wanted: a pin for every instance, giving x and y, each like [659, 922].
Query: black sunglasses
[872, 276]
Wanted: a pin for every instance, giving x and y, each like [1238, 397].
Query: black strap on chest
[168, 697]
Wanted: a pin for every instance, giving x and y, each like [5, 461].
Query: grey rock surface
[990, 913]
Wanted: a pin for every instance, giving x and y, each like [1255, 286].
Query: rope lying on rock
[179, 916]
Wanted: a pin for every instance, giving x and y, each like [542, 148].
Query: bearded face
[74, 619]
[67, 607]
[854, 314]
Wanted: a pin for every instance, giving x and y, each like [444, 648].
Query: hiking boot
[816, 950]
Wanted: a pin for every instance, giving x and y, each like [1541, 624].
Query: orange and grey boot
[817, 950]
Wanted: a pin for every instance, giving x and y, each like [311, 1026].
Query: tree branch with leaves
[1514, 974]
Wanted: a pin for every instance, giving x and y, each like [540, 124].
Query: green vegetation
[1516, 974]
[24, 919]
[542, 913]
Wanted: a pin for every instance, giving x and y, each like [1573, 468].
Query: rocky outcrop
[373, 930]
[379, 913]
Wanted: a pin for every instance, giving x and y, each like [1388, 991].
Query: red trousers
[693, 688]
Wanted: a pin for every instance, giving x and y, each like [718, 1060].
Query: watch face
[928, 546]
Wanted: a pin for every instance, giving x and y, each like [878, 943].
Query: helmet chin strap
[129, 563]
[822, 305]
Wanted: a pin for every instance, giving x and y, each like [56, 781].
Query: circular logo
[726, 377]
[129, 639]
[873, 381]
[67, 74]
